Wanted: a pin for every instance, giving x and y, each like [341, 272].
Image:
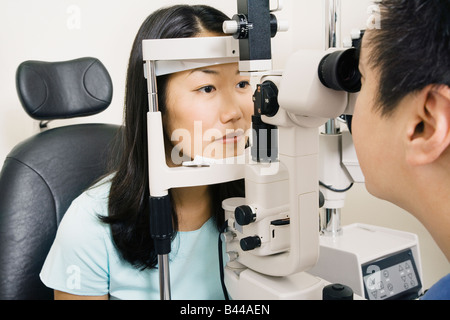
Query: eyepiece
[339, 71]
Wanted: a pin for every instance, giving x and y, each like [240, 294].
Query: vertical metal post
[332, 23]
[332, 40]
[152, 86]
[164, 277]
[160, 208]
[332, 223]
[161, 231]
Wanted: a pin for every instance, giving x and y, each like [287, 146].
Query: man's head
[402, 116]
[411, 50]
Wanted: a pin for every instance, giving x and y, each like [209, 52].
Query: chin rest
[42, 175]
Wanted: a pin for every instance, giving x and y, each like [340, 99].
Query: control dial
[250, 243]
[244, 215]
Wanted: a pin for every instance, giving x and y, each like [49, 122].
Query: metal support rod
[332, 217]
[164, 277]
[163, 259]
[152, 86]
[332, 223]
[332, 23]
[331, 127]
[332, 40]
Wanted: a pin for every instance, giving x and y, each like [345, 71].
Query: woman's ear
[429, 127]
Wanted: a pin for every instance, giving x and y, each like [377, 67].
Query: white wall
[55, 30]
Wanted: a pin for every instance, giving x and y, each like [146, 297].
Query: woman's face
[208, 112]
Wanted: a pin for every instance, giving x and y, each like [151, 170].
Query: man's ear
[429, 126]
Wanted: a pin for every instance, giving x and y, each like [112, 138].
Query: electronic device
[377, 263]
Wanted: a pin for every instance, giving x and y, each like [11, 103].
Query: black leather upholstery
[58, 90]
[39, 179]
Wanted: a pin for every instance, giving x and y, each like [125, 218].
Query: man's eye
[242, 84]
[207, 89]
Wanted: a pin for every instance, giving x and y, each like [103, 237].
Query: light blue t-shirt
[84, 261]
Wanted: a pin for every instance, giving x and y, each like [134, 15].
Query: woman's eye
[243, 84]
[207, 89]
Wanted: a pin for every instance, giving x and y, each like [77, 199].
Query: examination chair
[43, 174]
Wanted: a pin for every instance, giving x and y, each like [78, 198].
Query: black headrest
[67, 89]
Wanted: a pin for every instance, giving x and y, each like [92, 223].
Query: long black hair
[128, 215]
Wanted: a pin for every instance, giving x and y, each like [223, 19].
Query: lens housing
[339, 71]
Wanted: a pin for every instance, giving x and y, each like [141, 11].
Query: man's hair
[411, 50]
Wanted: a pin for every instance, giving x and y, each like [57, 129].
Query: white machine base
[250, 285]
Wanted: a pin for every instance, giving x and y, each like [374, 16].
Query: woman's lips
[234, 137]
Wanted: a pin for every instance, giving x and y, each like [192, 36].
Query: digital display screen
[393, 277]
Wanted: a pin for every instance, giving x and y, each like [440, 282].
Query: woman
[103, 248]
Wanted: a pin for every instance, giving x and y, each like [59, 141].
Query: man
[401, 123]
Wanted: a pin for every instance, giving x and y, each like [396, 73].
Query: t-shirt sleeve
[78, 259]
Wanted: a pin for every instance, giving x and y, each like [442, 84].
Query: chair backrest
[67, 89]
[43, 174]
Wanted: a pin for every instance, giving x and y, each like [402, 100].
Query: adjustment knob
[244, 215]
[337, 292]
[250, 243]
[266, 99]
[230, 26]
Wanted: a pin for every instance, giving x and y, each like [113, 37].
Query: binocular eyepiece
[340, 71]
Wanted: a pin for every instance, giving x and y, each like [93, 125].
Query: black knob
[266, 99]
[244, 215]
[337, 292]
[250, 243]
[243, 28]
[321, 199]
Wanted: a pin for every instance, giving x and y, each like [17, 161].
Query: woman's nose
[230, 110]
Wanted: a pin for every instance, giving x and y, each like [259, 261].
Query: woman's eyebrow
[210, 71]
[207, 71]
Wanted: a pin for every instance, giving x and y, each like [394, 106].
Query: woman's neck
[193, 206]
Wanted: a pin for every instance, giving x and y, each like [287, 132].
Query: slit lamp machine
[283, 240]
